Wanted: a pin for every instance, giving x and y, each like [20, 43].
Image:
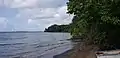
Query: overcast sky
[32, 15]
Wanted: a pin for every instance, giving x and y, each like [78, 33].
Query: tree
[95, 21]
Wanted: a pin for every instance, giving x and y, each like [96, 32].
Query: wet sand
[64, 55]
[108, 54]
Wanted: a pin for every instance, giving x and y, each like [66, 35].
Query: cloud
[51, 3]
[46, 16]
[24, 3]
[34, 14]
[33, 3]
[3, 20]
[3, 23]
[1, 3]
[18, 3]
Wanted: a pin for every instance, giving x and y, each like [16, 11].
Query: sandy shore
[107, 54]
[63, 55]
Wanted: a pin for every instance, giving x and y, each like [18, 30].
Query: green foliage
[58, 28]
[97, 21]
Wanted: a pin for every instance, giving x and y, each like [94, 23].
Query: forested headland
[57, 28]
[96, 21]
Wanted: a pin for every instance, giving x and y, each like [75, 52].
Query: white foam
[114, 56]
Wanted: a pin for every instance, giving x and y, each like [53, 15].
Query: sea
[33, 44]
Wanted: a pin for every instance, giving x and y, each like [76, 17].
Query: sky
[32, 15]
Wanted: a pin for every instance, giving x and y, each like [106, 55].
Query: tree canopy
[97, 21]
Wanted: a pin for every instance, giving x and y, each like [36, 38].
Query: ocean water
[33, 45]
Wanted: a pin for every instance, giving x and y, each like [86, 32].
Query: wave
[6, 44]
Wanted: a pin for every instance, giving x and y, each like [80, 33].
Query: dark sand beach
[64, 55]
[108, 54]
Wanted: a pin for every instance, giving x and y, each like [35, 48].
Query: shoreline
[106, 54]
[64, 54]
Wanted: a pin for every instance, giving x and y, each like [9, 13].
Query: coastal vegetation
[96, 22]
